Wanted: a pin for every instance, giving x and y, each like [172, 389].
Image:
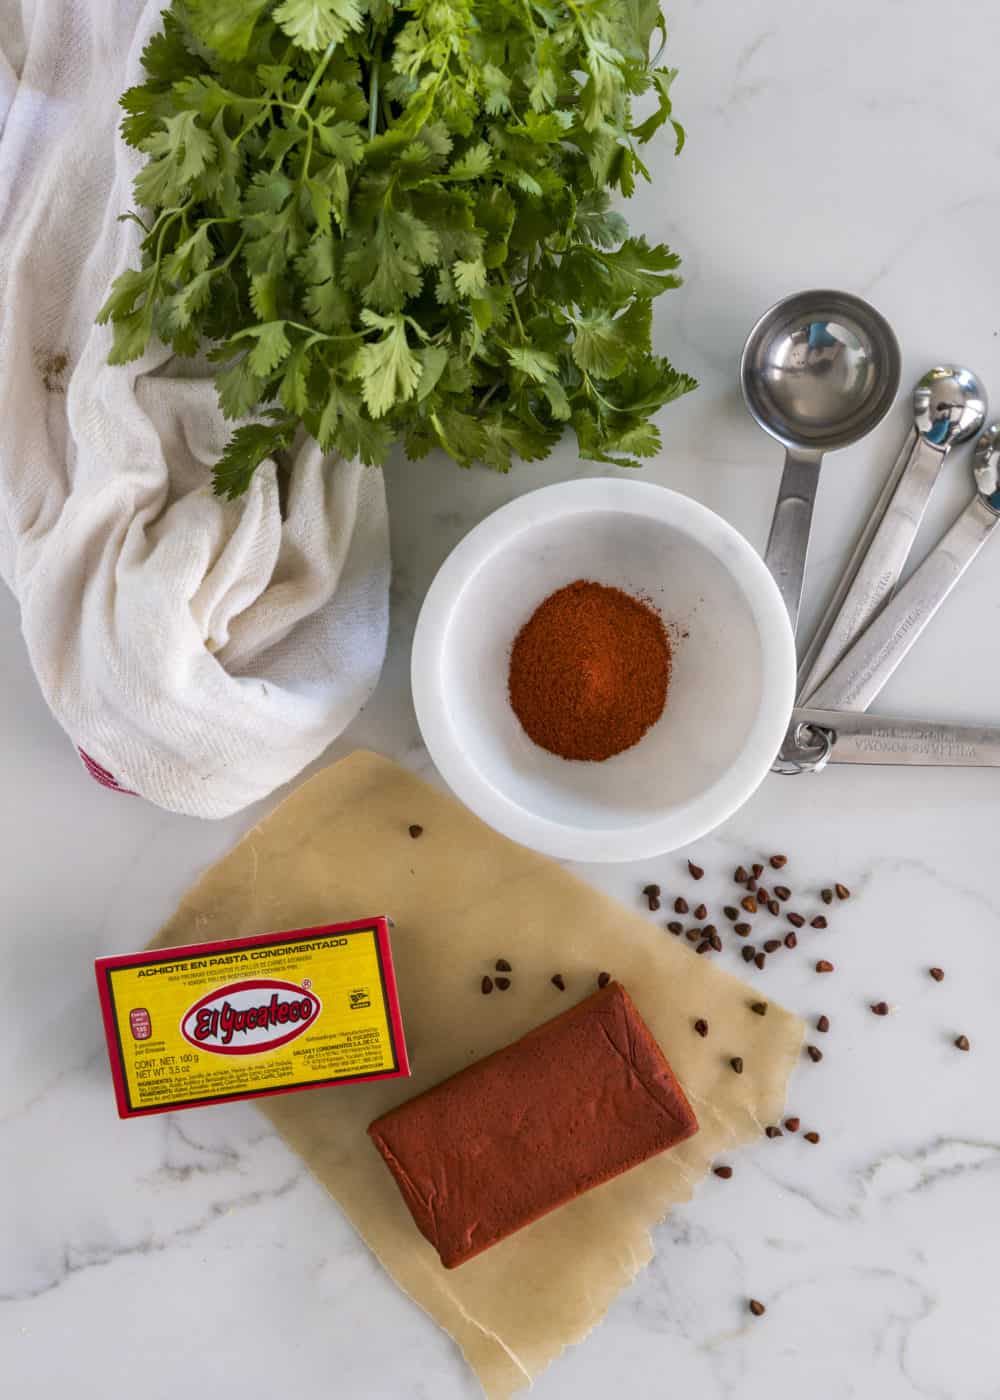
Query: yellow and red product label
[212, 1022]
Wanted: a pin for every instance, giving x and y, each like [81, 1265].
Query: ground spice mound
[589, 671]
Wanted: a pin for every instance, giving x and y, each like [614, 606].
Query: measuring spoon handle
[874, 739]
[788, 542]
[857, 679]
[877, 564]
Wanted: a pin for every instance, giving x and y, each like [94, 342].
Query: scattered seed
[731, 913]
[773, 907]
[502, 965]
[704, 946]
[791, 941]
[695, 871]
[654, 903]
[752, 885]
[772, 945]
[814, 1054]
[416, 831]
[962, 1042]
[937, 973]
[757, 1308]
[796, 920]
[823, 1024]
[811, 1137]
[756, 871]
[701, 1027]
[748, 952]
[558, 981]
[772, 1131]
[818, 922]
[503, 983]
[681, 905]
[675, 927]
[487, 986]
[741, 929]
[651, 891]
[701, 912]
[880, 1008]
[824, 966]
[693, 935]
[714, 939]
[779, 862]
[782, 892]
[826, 896]
[793, 1124]
[741, 876]
[759, 1008]
[749, 904]
[759, 961]
[762, 895]
[724, 1172]
[842, 891]
[736, 1063]
[603, 978]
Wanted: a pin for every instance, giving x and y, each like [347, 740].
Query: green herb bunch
[392, 221]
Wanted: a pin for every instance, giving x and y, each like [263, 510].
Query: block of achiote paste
[572, 1104]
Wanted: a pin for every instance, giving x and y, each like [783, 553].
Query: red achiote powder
[589, 671]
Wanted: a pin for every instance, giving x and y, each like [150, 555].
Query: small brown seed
[736, 1063]
[756, 871]
[503, 983]
[779, 862]
[703, 947]
[824, 966]
[731, 913]
[811, 1137]
[695, 871]
[681, 905]
[416, 831]
[759, 961]
[651, 891]
[782, 892]
[558, 980]
[752, 885]
[772, 1131]
[791, 941]
[796, 920]
[962, 1042]
[654, 903]
[701, 912]
[773, 907]
[714, 939]
[693, 935]
[772, 945]
[814, 1054]
[741, 876]
[826, 896]
[603, 978]
[675, 927]
[701, 1026]
[757, 1308]
[880, 1008]
[937, 973]
[749, 904]
[762, 895]
[842, 891]
[818, 922]
[502, 965]
[487, 986]
[823, 1024]
[741, 929]
[748, 952]
[793, 1124]
[724, 1172]
[759, 1008]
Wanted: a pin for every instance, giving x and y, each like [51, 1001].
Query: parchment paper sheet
[461, 896]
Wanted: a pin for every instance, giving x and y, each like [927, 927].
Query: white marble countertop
[841, 144]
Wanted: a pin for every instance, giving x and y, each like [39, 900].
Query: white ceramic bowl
[730, 696]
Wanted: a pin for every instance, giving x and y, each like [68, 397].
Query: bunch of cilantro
[392, 221]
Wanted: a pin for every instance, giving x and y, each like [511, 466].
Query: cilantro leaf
[314, 24]
[245, 451]
[388, 368]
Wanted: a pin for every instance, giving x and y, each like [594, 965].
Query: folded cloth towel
[200, 652]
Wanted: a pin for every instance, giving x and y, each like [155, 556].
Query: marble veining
[848, 145]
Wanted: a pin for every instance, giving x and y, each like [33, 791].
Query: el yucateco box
[212, 1022]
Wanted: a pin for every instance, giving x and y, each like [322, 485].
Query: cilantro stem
[513, 304]
[313, 83]
[373, 92]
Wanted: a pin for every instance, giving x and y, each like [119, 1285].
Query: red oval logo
[250, 1018]
[139, 1023]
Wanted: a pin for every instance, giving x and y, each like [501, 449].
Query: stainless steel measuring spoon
[949, 407]
[818, 371]
[819, 737]
[859, 676]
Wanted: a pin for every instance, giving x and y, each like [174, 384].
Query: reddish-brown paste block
[580, 1099]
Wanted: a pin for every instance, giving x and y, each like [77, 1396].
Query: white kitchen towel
[198, 652]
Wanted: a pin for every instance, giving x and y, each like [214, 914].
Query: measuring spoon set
[819, 371]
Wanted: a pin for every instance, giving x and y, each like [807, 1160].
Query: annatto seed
[773, 907]
[937, 973]
[818, 922]
[693, 935]
[703, 947]
[603, 978]
[791, 941]
[737, 1064]
[796, 920]
[741, 876]
[842, 891]
[503, 983]
[502, 965]
[675, 927]
[824, 966]
[741, 929]
[762, 896]
[416, 831]
[814, 1054]
[731, 914]
[826, 896]
[759, 961]
[487, 986]
[759, 1008]
[823, 1024]
[748, 952]
[701, 912]
[793, 1124]
[811, 1137]
[749, 904]
[962, 1042]
[557, 980]
[701, 1026]
[681, 905]
[772, 1131]
[724, 1172]
[757, 1308]
[714, 939]
[880, 1008]
[649, 890]
[772, 945]
[695, 871]
[756, 871]
[782, 892]
[779, 862]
